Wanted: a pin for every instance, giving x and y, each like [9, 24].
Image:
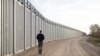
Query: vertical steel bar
[24, 25]
[35, 27]
[1, 27]
[13, 27]
[31, 27]
[2, 21]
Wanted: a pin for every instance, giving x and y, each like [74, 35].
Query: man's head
[40, 31]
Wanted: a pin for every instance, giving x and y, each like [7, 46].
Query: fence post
[0, 27]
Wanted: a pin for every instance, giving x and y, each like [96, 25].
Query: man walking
[40, 38]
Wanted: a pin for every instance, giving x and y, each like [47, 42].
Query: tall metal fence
[21, 22]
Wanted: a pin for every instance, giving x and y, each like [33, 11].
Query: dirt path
[69, 47]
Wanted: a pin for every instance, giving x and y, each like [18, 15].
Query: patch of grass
[94, 40]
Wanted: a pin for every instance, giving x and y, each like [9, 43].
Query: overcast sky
[78, 14]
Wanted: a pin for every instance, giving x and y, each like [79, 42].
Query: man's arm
[43, 37]
[37, 36]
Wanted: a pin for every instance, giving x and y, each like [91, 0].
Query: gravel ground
[69, 47]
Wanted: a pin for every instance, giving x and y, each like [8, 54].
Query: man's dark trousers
[40, 44]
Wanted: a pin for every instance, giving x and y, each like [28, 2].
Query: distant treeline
[94, 35]
[95, 31]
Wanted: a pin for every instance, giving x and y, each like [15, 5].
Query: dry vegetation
[94, 35]
[95, 41]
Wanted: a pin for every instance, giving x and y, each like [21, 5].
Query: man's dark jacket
[40, 37]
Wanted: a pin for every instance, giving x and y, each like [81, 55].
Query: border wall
[20, 22]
